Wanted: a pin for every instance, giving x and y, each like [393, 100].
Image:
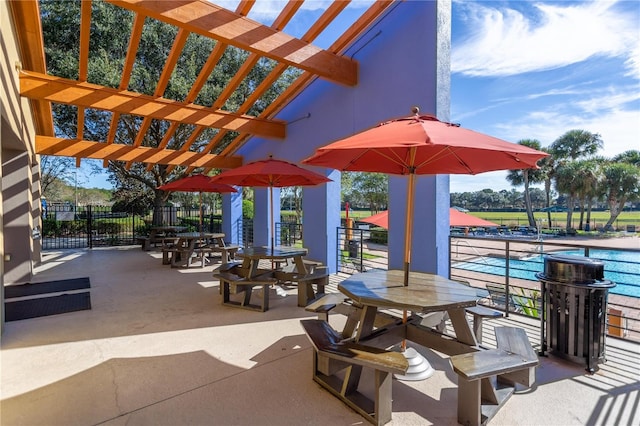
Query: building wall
[19, 186]
[404, 61]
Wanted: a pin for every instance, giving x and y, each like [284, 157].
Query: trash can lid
[573, 269]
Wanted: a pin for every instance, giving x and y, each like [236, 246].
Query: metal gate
[67, 226]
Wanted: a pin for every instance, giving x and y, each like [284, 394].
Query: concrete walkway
[158, 348]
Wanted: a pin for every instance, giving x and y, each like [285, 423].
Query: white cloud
[265, 11]
[615, 127]
[604, 111]
[503, 42]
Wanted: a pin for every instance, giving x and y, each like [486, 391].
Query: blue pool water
[623, 268]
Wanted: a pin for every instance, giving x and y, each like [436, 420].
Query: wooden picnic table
[478, 397]
[253, 255]
[160, 234]
[249, 274]
[187, 245]
[425, 293]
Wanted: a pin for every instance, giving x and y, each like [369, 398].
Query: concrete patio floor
[158, 348]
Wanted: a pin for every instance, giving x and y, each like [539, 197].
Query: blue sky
[525, 70]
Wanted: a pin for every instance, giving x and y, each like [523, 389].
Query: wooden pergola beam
[118, 152]
[26, 15]
[70, 92]
[210, 20]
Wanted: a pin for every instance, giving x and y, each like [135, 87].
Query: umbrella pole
[408, 229]
[273, 226]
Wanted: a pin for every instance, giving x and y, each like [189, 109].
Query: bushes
[108, 227]
[378, 235]
[247, 209]
[51, 228]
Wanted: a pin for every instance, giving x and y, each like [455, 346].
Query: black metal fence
[68, 226]
[361, 249]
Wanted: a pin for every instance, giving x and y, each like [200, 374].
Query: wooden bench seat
[514, 361]
[146, 242]
[305, 282]
[227, 252]
[181, 257]
[480, 313]
[324, 303]
[331, 355]
[168, 253]
[235, 284]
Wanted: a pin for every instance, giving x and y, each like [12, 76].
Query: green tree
[631, 157]
[109, 40]
[373, 188]
[294, 194]
[526, 177]
[547, 167]
[587, 186]
[622, 181]
[571, 146]
[54, 171]
[568, 182]
[576, 144]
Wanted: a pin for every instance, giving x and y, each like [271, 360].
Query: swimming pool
[623, 268]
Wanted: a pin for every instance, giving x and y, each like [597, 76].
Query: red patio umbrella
[270, 173]
[197, 183]
[456, 218]
[424, 145]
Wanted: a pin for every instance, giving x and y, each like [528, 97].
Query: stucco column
[16, 216]
[232, 216]
[430, 236]
[321, 212]
[262, 215]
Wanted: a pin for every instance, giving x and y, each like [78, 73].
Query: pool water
[623, 268]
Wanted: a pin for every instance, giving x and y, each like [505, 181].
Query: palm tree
[630, 157]
[568, 182]
[576, 144]
[526, 177]
[548, 170]
[622, 181]
[587, 186]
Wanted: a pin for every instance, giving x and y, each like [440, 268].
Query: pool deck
[158, 348]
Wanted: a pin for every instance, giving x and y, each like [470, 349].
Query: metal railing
[361, 249]
[67, 226]
[286, 233]
[512, 286]
[506, 267]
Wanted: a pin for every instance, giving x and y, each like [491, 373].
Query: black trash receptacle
[574, 303]
[354, 249]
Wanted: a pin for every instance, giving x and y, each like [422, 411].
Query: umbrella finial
[415, 110]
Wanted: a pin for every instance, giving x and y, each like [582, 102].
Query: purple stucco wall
[404, 61]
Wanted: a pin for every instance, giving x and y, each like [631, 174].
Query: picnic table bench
[514, 361]
[232, 283]
[163, 235]
[315, 275]
[331, 355]
[227, 252]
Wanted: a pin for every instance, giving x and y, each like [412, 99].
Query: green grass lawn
[558, 218]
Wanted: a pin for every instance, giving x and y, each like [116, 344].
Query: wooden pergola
[227, 28]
